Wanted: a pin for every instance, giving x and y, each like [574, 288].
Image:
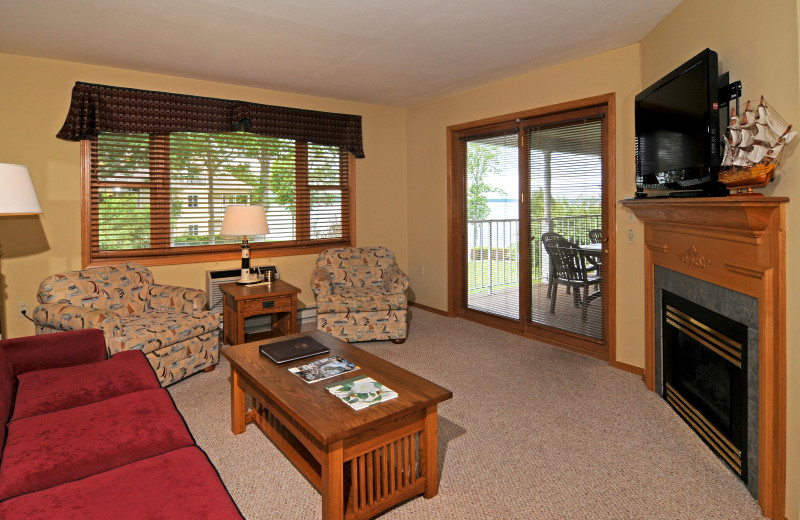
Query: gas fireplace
[720, 360]
[705, 376]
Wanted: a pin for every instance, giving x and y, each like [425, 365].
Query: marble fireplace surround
[738, 243]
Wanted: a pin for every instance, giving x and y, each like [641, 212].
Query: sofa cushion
[53, 448]
[364, 300]
[154, 330]
[181, 484]
[6, 392]
[45, 391]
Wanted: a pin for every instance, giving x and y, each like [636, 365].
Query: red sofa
[90, 437]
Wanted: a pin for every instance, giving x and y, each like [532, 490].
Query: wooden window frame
[160, 188]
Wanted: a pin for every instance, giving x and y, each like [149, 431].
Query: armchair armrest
[321, 283]
[63, 316]
[175, 298]
[395, 279]
[61, 349]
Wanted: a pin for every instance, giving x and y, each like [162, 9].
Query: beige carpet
[532, 432]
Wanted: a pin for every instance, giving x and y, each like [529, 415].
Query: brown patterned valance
[99, 108]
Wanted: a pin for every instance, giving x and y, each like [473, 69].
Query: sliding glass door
[532, 226]
[565, 190]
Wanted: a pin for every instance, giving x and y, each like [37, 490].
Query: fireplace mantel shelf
[739, 243]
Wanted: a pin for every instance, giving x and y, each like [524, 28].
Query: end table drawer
[267, 305]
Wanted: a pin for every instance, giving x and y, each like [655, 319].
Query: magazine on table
[323, 369]
[361, 392]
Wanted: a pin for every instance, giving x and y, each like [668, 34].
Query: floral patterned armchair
[360, 294]
[166, 322]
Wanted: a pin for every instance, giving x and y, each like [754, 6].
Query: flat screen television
[677, 130]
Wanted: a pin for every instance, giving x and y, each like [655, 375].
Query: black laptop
[292, 349]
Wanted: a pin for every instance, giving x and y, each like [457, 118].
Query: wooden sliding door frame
[605, 349]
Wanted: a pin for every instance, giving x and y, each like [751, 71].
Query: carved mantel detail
[692, 258]
[746, 236]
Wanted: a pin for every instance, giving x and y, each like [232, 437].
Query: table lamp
[242, 221]
[17, 196]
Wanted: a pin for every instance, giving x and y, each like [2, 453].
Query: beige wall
[34, 97]
[401, 189]
[765, 64]
[617, 71]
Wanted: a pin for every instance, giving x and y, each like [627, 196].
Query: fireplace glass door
[705, 377]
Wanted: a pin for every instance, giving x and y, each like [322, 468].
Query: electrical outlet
[630, 236]
[422, 270]
[22, 309]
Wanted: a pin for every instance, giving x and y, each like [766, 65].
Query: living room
[401, 185]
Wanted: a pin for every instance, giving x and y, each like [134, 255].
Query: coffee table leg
[430, 453]
[237, 404]
[333, 482]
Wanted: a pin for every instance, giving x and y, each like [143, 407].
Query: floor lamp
[242, 221]
[17, 197]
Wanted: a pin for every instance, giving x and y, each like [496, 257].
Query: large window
[163, 196]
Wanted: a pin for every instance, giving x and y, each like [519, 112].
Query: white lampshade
[17, 196]
[244, 221]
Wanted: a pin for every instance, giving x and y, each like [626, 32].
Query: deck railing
[493, 257]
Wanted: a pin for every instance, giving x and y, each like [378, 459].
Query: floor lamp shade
[17, 196]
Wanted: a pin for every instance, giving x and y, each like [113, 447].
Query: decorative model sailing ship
[753, 147]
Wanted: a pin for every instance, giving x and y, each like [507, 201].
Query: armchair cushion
[65, 317]
[54, 448]
[176, 299]
[154, 330]
[321, 282]
[45, 391]
[122, 288]
[395, 280]
[358, 300]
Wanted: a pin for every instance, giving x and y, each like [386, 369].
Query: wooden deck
[505, 302]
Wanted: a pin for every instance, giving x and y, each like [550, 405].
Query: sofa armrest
[395, 279]
[321, 283]
[175, 298]
[63, 316]
[61, 349]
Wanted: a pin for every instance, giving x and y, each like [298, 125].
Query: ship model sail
[753, 147]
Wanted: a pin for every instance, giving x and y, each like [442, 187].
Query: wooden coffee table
[362, 462]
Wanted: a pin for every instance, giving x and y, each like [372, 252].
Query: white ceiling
[396, 53]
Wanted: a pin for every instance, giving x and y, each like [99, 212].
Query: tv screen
[677, 127]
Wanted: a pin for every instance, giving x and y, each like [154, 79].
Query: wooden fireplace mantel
[737, 242]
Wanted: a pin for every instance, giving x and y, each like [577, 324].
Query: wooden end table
[362, 462]
[278, 298]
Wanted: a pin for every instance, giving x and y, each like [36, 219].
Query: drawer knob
[267, 305]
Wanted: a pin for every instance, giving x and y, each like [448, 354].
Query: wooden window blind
[163, 196]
